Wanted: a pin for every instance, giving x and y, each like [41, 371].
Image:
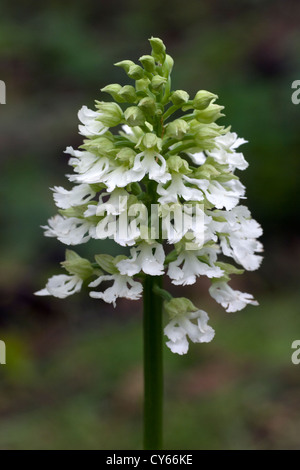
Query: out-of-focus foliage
[83, 390]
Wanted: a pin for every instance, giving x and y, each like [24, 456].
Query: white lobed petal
[123, 286]
[225, 154]
[147, 163]
[77, 196]
[230, 299]
[61, 286]
[182, 327]
[91, 126]
[187, 267]
[178, 188]
[198, 157]
[239, 238]
[146, 258]
[70, 231]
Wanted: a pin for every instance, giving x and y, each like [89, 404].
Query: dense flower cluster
[135, 155]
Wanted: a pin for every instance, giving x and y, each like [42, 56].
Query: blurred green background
[73, 378]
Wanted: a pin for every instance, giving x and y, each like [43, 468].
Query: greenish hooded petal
[74, 264]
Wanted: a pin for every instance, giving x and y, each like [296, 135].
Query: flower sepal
[74, 264]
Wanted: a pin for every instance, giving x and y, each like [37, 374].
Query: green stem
[181, 147]
[172, 141]
[167, 91]
[153, 364]
[172, 109]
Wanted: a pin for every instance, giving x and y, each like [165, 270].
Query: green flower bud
[113, 90]
[106, 262]
[148, 62]
[128, 94]
[149, 141]
[177, 128]
[167, 66]
[136, 72]
[205, 131]
[178, 165]
[76, 211]
[142, 85]
[125, 64]
[229, 268]
[111, 113]
[204, 134]
[158, 49]
[158, 81]
[126, 155]
[224, 177]
[179, 306]
[210, 114]
[101, 145]
[179, 97]
[134, 116]
[74, 264]
[203, 98]
[206, 171]
[148, 105]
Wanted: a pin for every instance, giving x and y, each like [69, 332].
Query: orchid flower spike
[166, 188]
